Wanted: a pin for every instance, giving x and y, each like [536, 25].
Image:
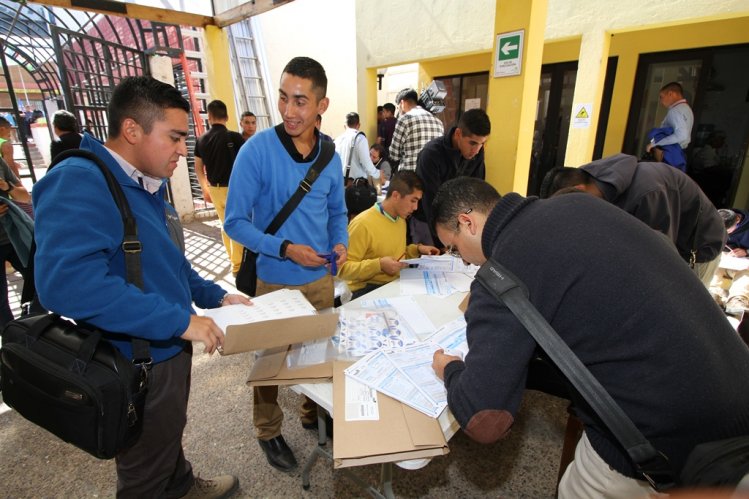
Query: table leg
[322, 439]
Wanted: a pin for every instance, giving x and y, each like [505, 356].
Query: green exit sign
[509, 54]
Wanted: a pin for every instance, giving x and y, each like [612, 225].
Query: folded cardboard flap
[270, 369]
[278, 332]
[401, 433]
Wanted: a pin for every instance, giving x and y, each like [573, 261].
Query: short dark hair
[380, 150]
[352, 119]
[65, 121]
[217, 110]
[475, 122]
[4, 122]
[309, 69]
[380, 108]
[561, 178]
[729, 217]
[404, 182]
[462, 195]
[389, 106]
[673, 86]
[408, 94]
[246, 114]
[144, 100]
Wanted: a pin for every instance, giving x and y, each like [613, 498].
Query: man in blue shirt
[268, 169]
[676, 127]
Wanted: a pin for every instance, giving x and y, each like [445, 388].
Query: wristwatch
[284, 245]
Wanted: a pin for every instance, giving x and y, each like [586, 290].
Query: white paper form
[408, 310]
[361, 401]
[416, 363]
[731, 262]
[452, 337]
[421, 282]
[442, 263]
[377, 371]
[361, 331]
[276, 305]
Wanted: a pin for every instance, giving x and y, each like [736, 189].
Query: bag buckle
[305, 186]
[132, 246]
[657, 472]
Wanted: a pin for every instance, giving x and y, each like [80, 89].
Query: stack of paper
[361, 331]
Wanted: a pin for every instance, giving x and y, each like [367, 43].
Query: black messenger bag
[66, 377]
[68, 380]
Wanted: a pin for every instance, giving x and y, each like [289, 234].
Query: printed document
[361, 401]
[408, 310]
[276, 305]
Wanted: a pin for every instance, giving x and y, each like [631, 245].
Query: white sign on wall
[508, 58]
[581, 115]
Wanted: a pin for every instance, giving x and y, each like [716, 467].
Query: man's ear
[322, 106]
[131, 130]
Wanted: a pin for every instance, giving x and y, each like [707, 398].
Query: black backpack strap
[505, 287]
[351, 154]
[131, 245]
[327, 150]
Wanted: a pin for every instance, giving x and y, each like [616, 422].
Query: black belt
[218, 184]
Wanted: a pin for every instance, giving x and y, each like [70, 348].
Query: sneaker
[216, 488]
[737, 305]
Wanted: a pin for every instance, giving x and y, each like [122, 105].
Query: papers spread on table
[730, 262]
[408, 311]
[427, 282]
[406, 374]
[361, 402]
[276, 305]
[361, 331]
[442, 263]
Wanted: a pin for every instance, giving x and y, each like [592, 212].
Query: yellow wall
[218, 63]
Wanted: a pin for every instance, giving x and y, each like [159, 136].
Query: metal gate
[90, 68]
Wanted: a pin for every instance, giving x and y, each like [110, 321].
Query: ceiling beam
[245, 10]
[133, 11]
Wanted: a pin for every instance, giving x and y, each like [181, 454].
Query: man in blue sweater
[268, 170]
[619, 295]
[81, 268]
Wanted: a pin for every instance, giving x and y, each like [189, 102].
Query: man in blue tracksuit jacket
[80, 273]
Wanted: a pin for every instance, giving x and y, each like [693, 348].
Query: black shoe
[279, 454]
[328, 426]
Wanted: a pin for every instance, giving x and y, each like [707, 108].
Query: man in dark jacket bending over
[661, 196]
[601, 279]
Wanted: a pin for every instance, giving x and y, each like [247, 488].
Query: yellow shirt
[373, 235]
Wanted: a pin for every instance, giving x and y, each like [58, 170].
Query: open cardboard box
[401, 433]
[275, 337]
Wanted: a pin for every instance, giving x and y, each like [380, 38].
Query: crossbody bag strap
[327, 149]
[505, 287]
[351, 155]
[131, 245]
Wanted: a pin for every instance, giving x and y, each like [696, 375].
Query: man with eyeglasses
[619, 295]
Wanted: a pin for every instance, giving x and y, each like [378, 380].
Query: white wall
[325, 31]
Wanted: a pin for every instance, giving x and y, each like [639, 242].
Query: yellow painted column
[591, 74]
[218, 68]
[368, 104]
[513, 99]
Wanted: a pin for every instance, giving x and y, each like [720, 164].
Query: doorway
[553, 113]
[464, 92]
[715, 82]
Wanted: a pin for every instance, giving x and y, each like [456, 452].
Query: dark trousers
[156, 466]
[8, 254]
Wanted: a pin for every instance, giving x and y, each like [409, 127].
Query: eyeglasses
[453, 251]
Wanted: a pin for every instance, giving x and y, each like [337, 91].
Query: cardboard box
[400, 434]
[275, 337]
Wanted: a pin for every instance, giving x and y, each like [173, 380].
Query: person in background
[352, 147]
[386, 127]
[415, 127]
[6, 147]
[669, 141]
[661, 196]
[248, 122]
[65, 126]
[80, 256]
[380, 114]
[458, 153]
[377, 155]
[215, 152]
[377, 238]
[323, 136]
[737, 225]
[267, 171]
[614, 292]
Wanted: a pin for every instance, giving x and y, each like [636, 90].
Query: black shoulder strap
[327, 149]
[351, 154]
[131, 245]
[506, 289]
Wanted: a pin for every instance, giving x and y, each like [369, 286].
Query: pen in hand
[402, 256]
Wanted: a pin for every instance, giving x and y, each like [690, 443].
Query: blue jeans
[8, 254]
